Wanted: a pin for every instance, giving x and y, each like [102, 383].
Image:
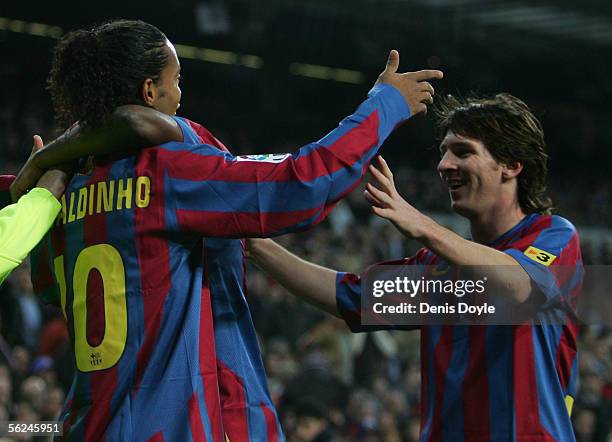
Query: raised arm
[131, 127]
[217, 194]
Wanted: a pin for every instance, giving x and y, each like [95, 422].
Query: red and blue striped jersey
[499, 383]
[136, 267]
[247, 411]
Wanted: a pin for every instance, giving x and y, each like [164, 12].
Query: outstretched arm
[269, 195]
[131, 127]
[310, 282]
[334, 292]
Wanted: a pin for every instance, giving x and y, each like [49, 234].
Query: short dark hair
[94, 71]
[510, 132]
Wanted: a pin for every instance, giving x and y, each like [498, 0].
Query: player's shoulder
[190, 130]
[196, 138]
[555, 222]
[553, 234]
[562, 223]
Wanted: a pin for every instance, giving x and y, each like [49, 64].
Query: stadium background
[270, 76]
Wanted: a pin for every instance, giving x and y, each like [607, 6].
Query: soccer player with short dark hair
[141, 280]
[479, 383]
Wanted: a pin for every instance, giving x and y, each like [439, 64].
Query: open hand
[388, 203]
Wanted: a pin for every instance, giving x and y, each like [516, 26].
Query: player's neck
[486, 227]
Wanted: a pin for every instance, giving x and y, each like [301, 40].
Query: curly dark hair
[94, 71]
[512, 134]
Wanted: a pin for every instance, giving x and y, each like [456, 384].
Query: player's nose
[447, 163]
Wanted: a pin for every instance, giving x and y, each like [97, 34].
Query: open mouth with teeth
[455, 184]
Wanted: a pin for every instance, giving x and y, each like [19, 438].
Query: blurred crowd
[328, 384]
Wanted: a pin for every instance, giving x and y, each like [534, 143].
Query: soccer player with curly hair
[150, 280]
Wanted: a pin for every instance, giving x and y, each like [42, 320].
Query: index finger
[384, 167]
[428, 74]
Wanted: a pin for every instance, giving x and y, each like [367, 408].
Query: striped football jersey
[147, 265]
[504, 382]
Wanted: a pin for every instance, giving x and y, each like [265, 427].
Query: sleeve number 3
[107, 261]
[543, 257]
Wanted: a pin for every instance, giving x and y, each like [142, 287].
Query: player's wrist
[393, 97]
[425, 231]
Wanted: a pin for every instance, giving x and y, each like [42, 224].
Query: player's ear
[510, 171]
[149, 92]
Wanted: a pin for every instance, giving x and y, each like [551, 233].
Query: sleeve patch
[265, 158]
[540, 256]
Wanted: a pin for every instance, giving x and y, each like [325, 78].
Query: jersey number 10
[107, 261]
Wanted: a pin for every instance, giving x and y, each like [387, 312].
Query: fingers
[419, 108]
[384, 199]
[428, 74]
[383, 181]
[384, 167]
[382, 212]
[414, 86]
[424, 92]
[427, 87]
[427, 91]
[392, 62]
[373, 201]
[426, 98]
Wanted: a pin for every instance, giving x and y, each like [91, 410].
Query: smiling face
[475, 180]
[500, 158]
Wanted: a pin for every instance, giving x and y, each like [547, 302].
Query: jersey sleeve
[210, 192]
[348, 298]
[22, 226]
[550, 254]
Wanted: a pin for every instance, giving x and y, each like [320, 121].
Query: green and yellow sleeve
[22, 226]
